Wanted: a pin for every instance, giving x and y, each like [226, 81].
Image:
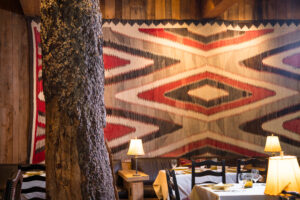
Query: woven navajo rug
[190, 88]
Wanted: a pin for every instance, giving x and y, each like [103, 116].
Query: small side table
[134, 184]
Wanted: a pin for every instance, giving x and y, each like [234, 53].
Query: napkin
[221, 186]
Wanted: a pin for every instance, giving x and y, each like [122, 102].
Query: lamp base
[136, 175]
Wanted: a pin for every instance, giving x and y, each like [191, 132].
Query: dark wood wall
[14, 84]
[193, 9]
[150, 9]
[263, 9]
[14, 52]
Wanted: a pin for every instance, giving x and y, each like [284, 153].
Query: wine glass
[240, 178]
[255, 175]
[173, 164]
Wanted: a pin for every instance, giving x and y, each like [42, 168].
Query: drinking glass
[255, 175]
[173, 164]
[243, 177]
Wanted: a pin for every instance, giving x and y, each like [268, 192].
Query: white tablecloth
[184, 182]
[236, 192]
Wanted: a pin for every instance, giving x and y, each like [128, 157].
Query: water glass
[255, 175]
[173, 163]
[243, 177]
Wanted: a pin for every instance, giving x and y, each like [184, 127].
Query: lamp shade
[283, 174]
[272, 144]
[136, 147]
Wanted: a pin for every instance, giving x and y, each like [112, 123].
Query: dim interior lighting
[283, 174]
[136, 149]
[272, 144]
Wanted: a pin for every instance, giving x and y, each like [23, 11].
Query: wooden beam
[31, 7]
[212, 10]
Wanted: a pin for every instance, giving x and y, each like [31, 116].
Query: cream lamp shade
[272, 144]
[136, 147]
[283, 174]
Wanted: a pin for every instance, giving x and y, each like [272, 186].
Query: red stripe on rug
[249, 35]
[292, 125]
[113, 131]
[210, 142]
[111, 62]
[293, 60]
[157, 94]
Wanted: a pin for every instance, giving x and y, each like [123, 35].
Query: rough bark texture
[77, 162]
[112, 169]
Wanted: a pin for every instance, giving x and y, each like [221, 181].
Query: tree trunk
[77, 163]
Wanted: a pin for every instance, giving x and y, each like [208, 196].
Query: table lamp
[283, 174]
[272, 144]
[136, 149]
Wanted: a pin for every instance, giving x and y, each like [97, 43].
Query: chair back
[208, 163]
[34, 186]
[253, 163]
[290, 195]
[172, 185]
[152, 166]
[13, 187]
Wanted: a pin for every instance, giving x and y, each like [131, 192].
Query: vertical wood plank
[176, 9]
[184, 11]
[160, 8]
[281, 9]
[15, 85]
[233, 12]
[257, 10]
[5, 133]
[249, 13]
[102, 8]
[197, 9]
[265, 9]
[31, 7]
[125, 9]
[293, 9]
[271, 13]
[191, 6]
[168, 9]
[6, 84]
[241, 7]
[150, 10]
[21, 74]
[137, 9]
[187, 9]
[110, 9]
[224, 16]
[289, 10]
[118, 9]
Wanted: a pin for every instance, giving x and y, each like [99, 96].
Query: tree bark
[77, 163]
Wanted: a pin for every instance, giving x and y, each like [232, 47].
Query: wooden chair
[35, 184]
[13, 187]
[208, 163]
[290, 195]
[172, 185]
[252, 163]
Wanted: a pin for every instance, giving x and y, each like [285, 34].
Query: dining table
[232, 192]
[184, 182]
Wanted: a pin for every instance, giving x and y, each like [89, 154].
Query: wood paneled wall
[263, 9]
[150, 9]
[193, 9]
[14, 53]
[14, 86]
